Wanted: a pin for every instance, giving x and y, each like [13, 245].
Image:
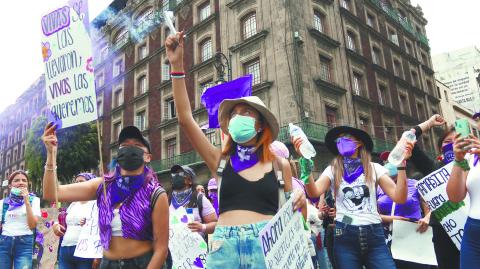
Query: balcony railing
[392, 13]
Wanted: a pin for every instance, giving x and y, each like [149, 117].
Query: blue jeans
[320, 259]
[16, 250]
[66, 260]
[470, 250]
[358, 246]
[236, 247]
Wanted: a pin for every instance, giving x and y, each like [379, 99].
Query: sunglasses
[182, 174]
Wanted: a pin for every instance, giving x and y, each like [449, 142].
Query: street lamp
[222, 62]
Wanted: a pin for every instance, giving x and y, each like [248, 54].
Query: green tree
[77, 152]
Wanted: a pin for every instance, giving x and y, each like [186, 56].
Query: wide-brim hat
[133, 132]
[333, 134]
[228, 104]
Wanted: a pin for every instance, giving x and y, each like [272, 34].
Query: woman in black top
[448, 256]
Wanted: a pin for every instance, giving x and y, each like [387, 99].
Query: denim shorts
[140, 262]
[236, 247]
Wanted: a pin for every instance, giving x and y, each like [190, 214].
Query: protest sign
[67, 56]
[452, 216]
[410, 245]
[188, 249]
[89, 245]
[284, 242]
[46, 242]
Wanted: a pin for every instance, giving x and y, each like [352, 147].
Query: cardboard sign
[452, 216]
[67, 56]
[188, 249]
[410, 245]
[89, 245]
[284, 242]
[46, 245]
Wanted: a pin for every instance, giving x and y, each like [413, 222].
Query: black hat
[186, 169]
[333, 134]
[133, 132]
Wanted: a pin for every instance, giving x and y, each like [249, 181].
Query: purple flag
[213, 96]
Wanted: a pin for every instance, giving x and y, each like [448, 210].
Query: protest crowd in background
[263, 205]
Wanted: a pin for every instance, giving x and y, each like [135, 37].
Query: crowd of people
[348, 210]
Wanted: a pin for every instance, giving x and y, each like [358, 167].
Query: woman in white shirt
[77, 215]
[352, 177]
[465, 178]
[19, 215]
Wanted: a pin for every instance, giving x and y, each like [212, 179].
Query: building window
[318, 21]
[121, 38]
[389, 133]
[404, 107]
[325, 69]
[351, 41]
[117, 127]
[100, 80]
[408, 47]
[171, 145]
[415, 79]
[357, 84]
[397, 68]
[253, 68]
[346, 4]
[424, 59]
[421, 111]
[249, 25]
[141, 120]
[204, 11]
[118, 98]
[169, 111]
[383, 95]
[118, 67]
[331, 114]
[165, 72]
[100, 108]
[142, 51]
[429, 87]
[142, 85]
[376, 56]
[371, 21]
[211, 136]
[104, 53]
[206, 50]
[364, 124]
[446, 95]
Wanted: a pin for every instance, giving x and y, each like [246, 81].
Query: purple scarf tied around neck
[243, 158]
[124, 186]
[14, 201]
[352, 169]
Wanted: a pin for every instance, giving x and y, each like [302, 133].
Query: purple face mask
[346, 146]
[448, 155]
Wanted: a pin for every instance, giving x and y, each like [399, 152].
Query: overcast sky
[451, 25]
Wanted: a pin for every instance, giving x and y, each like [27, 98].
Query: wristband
[50, 168]
[402, 168]
[462, 164]
[204, 227]
[177, 75]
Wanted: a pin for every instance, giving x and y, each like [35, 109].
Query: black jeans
[448, 255]
[140, 262]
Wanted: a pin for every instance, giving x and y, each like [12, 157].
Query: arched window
[249, 25]
[206, 50]
[318, 21]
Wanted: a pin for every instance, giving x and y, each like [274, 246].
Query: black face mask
[130, 158]
[178, 182]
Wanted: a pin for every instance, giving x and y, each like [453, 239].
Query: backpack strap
[200, 205]
[4, 211]
[221, 167]
[282, 195]
[153, 199]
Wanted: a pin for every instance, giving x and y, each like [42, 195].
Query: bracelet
[204, 228]
[177, 75]
[51, 168]
[462, 164]
[402, 168]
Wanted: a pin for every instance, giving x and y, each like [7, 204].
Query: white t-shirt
[473, 187]
[357, 200]
[75, 213]
[207, 209]
[16, 219]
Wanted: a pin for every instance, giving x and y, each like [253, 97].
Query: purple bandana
[214, 199]
[180, 198]
[448, 155]
[244, 158]
[352, 169]
[475, 160]
[125, 185]
[14, 201]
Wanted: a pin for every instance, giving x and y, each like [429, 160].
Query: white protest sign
[410, 245]
[452, 216]
[89, 245]
[67, 55]
[284, 242]
[188, 249]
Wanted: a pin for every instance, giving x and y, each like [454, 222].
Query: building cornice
[329, 85]
[323, 37]
[258, 36]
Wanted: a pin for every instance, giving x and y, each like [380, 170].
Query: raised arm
[83, 191]
[422, 161]
[457, 183]
[210, 154]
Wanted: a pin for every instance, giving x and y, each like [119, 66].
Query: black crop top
[237, 193]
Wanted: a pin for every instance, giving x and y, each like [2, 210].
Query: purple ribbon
[213, 96]
[352, 169]
[244, 158]
[124, 186]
